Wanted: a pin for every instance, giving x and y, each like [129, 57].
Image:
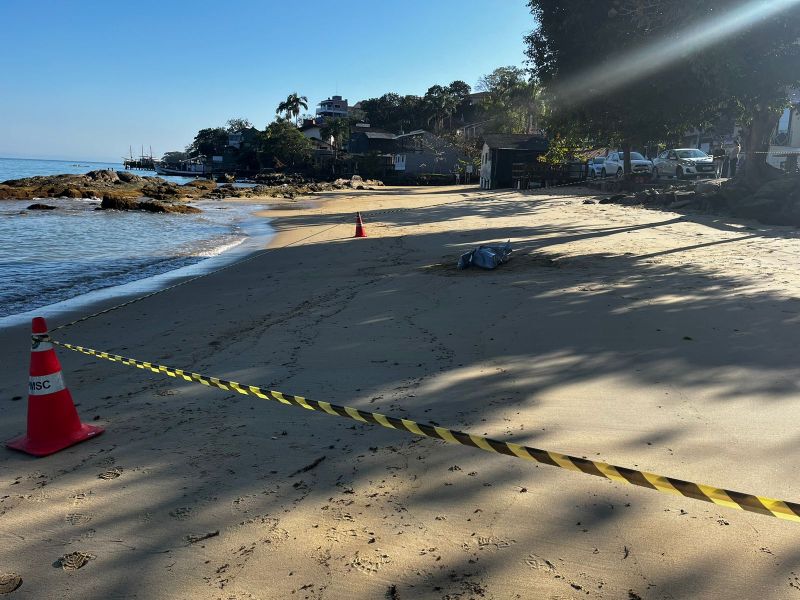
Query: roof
[378, 135]
[516, 141]
[415, 132]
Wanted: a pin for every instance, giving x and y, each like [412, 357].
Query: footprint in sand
[74, 560]
[111, 474]
[541, 564]
[370, 565]
[77, 518]
[182, 513]
[79, 498]
[9, 582]
[484, 541]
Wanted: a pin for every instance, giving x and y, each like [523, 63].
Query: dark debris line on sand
[193, 539]
[308, 467]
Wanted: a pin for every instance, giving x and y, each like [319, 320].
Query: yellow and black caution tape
[728, 498]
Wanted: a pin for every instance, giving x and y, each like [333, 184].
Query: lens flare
[662, 53]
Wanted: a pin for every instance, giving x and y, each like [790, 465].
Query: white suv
[615, 164]
[684, 162]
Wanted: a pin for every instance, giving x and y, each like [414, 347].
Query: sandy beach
[647, 339]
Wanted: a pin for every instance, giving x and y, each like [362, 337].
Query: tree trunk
[626, 164]
[756, 145]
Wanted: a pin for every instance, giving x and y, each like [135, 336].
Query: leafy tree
[461, 91]
[292, 106]
[283, 143]
[440, 104]
[674, 66]
[384, 112]
[410, 113]
[174, 157]
[338, 129]
[208, 142]
[237, 125]
[515, 102]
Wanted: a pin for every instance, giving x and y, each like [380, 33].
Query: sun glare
[663, 52]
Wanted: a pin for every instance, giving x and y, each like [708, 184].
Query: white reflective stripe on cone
[41, 347]
[41, 385]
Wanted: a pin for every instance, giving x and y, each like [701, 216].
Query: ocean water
[19, 168]
[48, 257]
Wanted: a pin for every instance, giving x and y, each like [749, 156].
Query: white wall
[486, 167]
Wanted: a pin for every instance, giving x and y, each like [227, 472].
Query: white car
[595, 166]
[614, 165]
[683, 162]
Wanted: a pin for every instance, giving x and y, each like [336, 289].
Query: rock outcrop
[776, 202]
[123, 190]
[112, 202]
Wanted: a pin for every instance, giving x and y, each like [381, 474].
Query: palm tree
[292, 105]
[440, 104]
[337, 129]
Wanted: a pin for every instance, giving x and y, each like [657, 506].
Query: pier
[145, 162]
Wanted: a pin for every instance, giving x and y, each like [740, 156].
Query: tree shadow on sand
[549, 331]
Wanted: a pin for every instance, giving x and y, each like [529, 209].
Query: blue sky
[84, 80]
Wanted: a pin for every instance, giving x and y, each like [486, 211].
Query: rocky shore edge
[122, 190]
[776, 202]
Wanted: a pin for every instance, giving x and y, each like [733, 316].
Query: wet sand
[646, 339]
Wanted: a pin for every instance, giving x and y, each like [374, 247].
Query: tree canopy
[649, 70]
[237, 125]
[208, 142]
[284, 144]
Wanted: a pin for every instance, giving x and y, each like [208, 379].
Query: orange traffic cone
[359, 226]
[53, 422]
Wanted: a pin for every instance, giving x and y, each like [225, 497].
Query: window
[783, 122]
[691, 154]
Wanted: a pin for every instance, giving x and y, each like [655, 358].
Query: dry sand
[642, 338]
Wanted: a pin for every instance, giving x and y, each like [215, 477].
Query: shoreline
[257, 233]
[674, 333]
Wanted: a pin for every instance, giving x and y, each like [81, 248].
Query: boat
[187, 168]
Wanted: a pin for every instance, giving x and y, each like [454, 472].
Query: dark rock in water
[127, 177]
[201, 184]
[588, 201]
[103, 175]
[7, 192]
[111, 202]
[280, 179]
[72, 193]
[38, 206]
[161, 207]
[114, 202]
[161, 190]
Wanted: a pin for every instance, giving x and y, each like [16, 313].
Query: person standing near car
[718, 154]
[733, 158]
